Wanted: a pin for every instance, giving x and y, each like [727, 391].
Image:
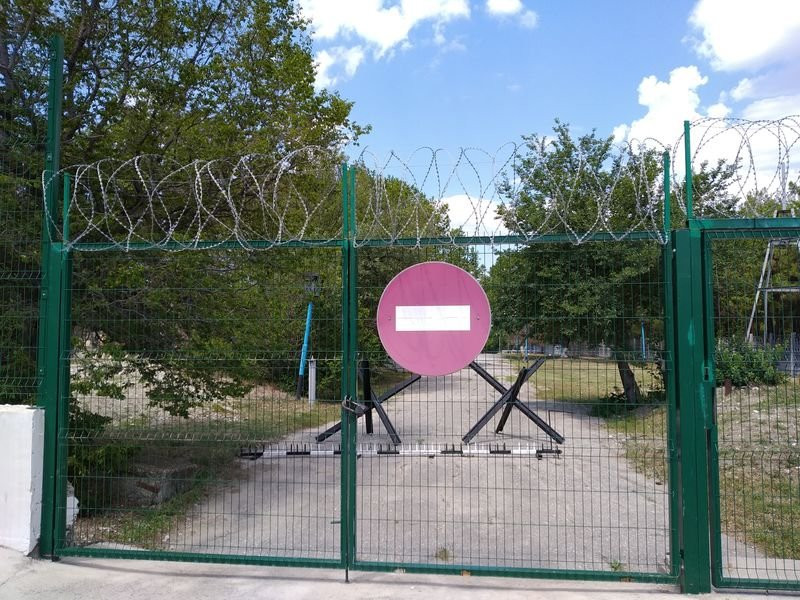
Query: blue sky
[481, 73]
[452, 73]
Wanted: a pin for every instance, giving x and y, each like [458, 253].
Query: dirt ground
[585, 508]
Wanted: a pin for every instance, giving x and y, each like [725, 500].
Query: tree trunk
[633, 394]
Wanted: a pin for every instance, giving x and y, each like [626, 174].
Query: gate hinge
[352, 406]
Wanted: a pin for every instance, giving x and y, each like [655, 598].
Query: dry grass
[210, 439]
[644, 434]
[759, 462]
[586, 380]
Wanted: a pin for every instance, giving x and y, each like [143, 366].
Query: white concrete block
[21, 454]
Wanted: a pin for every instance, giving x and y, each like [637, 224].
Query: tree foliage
[590, 293]
[182, 80]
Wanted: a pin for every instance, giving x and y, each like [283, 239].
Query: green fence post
[352, 317]
[690, 366]
[669, 376]
[667, 195]
[349, 369]
[49, 297]
[687, 151]
[63, 398]
[710, 416]
[345, 389]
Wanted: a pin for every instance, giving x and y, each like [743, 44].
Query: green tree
[586, 293]
[182, 80]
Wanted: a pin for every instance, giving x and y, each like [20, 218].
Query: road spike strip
[371, 449]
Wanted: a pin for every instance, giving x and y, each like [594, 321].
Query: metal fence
[584, 491]
[754, 454]
[172, 339]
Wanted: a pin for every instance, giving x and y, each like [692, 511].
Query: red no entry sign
[434, 318]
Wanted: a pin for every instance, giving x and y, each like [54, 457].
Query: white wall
[21, 451]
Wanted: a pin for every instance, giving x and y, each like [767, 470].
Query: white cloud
[758, 150]
[783, 81]
[742, 34]
[513, 8]
[718, 111]
[474, 216]
[772, 108]
[382, 27]
[761, 42]
[327, 60]
[668, 104]
[744, 89]
[373, 26]
[529, 19]
[760, 38]
[504, 7]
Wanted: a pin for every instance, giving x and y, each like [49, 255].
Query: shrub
[745, 365]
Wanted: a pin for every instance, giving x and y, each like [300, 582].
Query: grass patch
[210, 442]
[149, 528]
[759, 462]
[616, 566]
[761, 507]
[644, 432]
[586, 380]
[254, 418]
[443, 554]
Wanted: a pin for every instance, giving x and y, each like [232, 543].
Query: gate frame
[722, 229]
[692, 444]
[673, 576]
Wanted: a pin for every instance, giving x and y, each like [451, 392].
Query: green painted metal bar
[671, 382]
[548, 238]
[48, 398]
[206, 245]
[715, 507]
[693, 461]
[64, 260]
[201, 557]
[455, 569]
[689, 184]
[52, 162]
[709, 342]
[65, 211]
[667, 195]
[63, 398]
[761, 585]
[47, 351]
[344, 501]
[350, 434]
[667, 262]
[749, 224]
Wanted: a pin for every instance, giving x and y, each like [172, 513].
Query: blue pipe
[305, 341]
[644, 344]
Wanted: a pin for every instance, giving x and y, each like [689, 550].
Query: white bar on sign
[432, 318]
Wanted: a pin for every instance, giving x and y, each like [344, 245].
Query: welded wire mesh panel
[185, 411]
[21, 163]
[757, 363]
[580, 485]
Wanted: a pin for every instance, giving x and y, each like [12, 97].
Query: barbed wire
[528, 191]
[495, 202]
[765, 160]
[151, 201]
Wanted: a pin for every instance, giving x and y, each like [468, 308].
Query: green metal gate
[752, 438]
[153, 471]
[175, 446]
